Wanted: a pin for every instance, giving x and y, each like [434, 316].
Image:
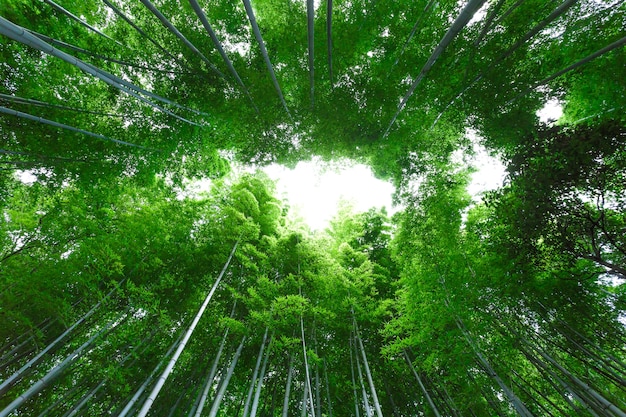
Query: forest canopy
[121, 295]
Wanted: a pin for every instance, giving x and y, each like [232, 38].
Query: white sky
[314, 189]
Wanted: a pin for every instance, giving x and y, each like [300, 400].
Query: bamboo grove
[123, 294]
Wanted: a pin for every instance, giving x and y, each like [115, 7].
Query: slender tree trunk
[218, 45]
[330, 405]
[412, 33]
[169, 26]
[211, 376]
[596, 396]
[356, 404]
[421, 384]
[22, 100]
[266, 58]
[305, 396]
[246, 407]
[515, 401]
[618, 43]
[285, 412]
[531, 33]
[6, 384]
[310, 13]
[79, 20]
[121, 14]
[541, 394]
[168, 370]
[368, 374]
[566, 390]
[225, 380]
[508, 11]
[259, 387]
[366, 403]
[20, 34]
[461, 21]
[306, 365]
[329, 41]
[99, 56]
[149, 379]
[74, 411]
[67, 127]
[56, 370]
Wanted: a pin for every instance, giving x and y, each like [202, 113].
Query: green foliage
[510, 303]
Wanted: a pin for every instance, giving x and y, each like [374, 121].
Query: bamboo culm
[366, 403]
[56, 370]
[329, 40]
[79, 20]
[170, 366]
[255, 373]
[179, 35]
[259, 385]
[27, 116]
[22, 100]
[368, 373]
[356, 404]
[461, 21]
[6, 384]
[121, 14]
[218, 45]
[266, 58]
[285, 412]
[530, 34]
[209, 381]
[224, 384]
[20, 34]
[306, 365]
[421, 384]
[310, 14]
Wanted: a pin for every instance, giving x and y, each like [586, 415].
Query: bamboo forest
[122, 293]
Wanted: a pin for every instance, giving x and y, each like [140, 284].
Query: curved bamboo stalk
[170, 366]
[179, 35]
[68, 127]
[368, 373]
[209, 381]
[412, 33]
[148, 380]
[100, 56]
[306, 365]
[218, 45]
[356, 404]
[366, 403]
[461, 21]
[266, 58]
[329, 401]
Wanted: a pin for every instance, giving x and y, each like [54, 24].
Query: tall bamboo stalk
[170, 366]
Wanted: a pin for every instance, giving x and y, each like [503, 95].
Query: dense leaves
[511, 303]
